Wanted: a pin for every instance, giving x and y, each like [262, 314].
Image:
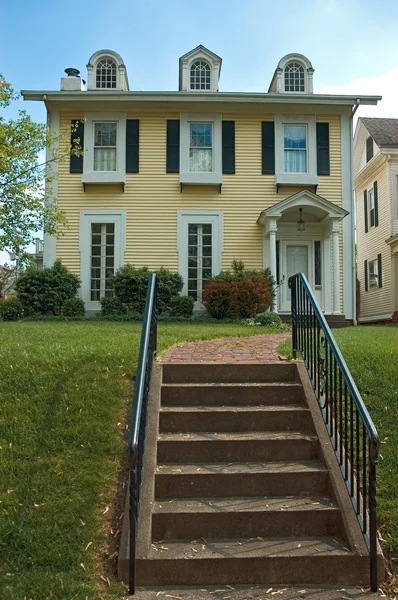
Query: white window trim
[309, 178]
[91, 176]
[87, 217]
[376, 280]
[185, 217]
[186, 176]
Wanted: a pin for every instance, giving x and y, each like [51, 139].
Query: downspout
[353, 212]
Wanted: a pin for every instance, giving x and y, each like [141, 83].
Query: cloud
[385, 85]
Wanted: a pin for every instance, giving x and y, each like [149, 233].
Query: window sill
[201, 178]
[296, 179]
[104, 177]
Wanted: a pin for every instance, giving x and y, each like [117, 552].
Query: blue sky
[352, 45]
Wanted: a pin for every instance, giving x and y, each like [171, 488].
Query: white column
[272, 262]
[336, 273]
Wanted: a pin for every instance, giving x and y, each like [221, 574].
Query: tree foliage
[27, 204]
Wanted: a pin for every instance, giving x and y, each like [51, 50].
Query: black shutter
[322, 149]
[173, 147]
[76, 137]
[365, 209]
[366, 275]
[228, 147]
[379, 271]
[132, 145]
[268, 147]
[376, 203]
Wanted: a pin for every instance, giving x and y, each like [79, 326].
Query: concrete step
[208, 447]
[232, 394]
[298, 560]
[229, 372]
[210, 518]
[230, 418]
[241, 479]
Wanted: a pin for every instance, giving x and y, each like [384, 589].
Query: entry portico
[301, 233]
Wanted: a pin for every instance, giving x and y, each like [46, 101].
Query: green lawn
[372, 356]
[65, 390]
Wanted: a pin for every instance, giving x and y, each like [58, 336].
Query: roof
[383, 131]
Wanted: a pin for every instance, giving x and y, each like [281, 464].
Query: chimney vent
[72, 72]
[73, 82]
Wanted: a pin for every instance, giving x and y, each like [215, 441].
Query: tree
[27, 204]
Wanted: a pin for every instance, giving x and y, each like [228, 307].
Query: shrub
[169, 285]
[131, 284]
[250, 296]
[181, 306]
[217, 298]
[45, 291]
[10, 309]
[112, 306]
[270, 319]
[73, 307]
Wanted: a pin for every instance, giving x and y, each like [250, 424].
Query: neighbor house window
[369, 149]
[105, 143]
[201, 147]
[106, 74]
[200, 251]
[294, 78]
[373, 274]
[371, 204]
[295, 148]
[102, 260]
[200, 75]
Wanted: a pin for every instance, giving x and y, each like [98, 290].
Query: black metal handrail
[351, 430]
[139, 415]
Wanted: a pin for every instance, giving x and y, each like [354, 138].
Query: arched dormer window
[106, 73]
[200, 75]
[294, 77]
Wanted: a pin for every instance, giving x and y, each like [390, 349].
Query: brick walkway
[256, 348]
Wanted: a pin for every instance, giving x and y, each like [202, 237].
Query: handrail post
[372, 518]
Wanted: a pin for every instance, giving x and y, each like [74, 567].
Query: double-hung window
[295, 148]
[373, 274]
[105, 146]
[201, 147]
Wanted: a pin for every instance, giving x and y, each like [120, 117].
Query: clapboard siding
[152, 196]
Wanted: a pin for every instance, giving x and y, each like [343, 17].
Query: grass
[65, 391]
[371, 353]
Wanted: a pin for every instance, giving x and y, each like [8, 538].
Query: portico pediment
[316, 206]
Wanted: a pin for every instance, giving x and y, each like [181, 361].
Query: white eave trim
[57, 96]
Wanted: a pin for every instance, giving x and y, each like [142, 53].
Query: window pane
[200, 160]
[318, 264]
[201, 135]
[192, 251]
[192, 228]
[105, 134]
[192, 240]
[207, 228]
[95, 228]
[104, 159]
[295, 136]
[192, 262]
[295, 161]
[96, 250]
[207, 240]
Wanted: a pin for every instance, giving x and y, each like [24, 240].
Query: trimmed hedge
[181, 306]
[111, 306]
[73, 307]
[10, 309]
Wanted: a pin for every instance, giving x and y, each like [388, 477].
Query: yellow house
[376, 192]
[194, 178]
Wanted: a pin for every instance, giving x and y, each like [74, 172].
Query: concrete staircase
[241, 485]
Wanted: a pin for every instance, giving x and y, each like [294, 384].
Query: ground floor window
[102, 259]
[200, 250]
[199, 246]
[373, 274]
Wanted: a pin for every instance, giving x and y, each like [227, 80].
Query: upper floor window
[371, 197]
[294, 77]
[295, 148]
[106, 74]
[105, 144]
[369, 148]
[200, 75]
[201, 147]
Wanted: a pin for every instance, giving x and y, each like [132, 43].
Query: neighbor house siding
[152, 196]
[375, 301]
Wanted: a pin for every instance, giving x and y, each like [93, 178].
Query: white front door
[295, 259]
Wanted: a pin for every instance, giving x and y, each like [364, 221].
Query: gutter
[232, 97]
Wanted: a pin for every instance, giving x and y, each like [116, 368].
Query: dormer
[293, 75]
[106, 71]
[199, 71]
